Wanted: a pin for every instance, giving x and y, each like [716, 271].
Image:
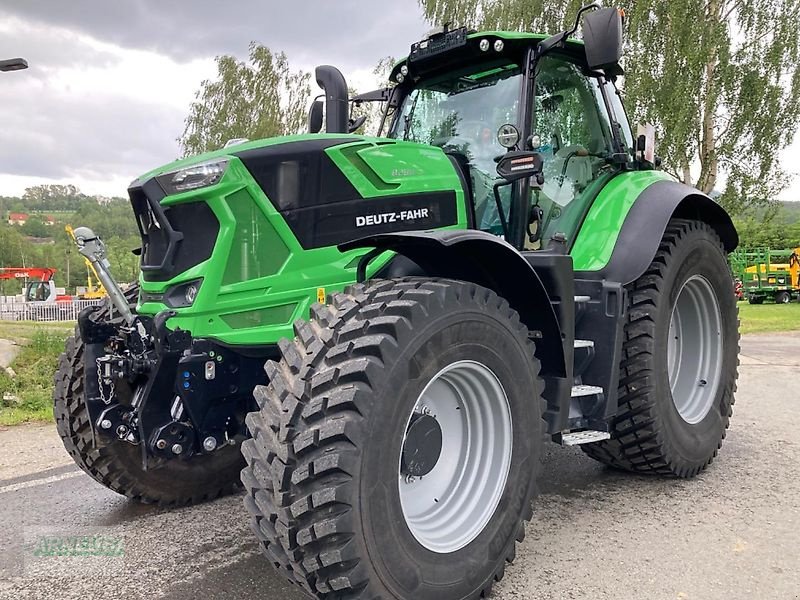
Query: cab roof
[457, 48]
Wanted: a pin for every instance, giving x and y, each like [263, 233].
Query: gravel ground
[731, 533]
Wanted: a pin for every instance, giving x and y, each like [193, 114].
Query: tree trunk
[708, 152]
[687, 171]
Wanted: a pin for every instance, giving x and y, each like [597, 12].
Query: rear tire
[118, 465]
[783, 298]
[673, 415]
[324, 477]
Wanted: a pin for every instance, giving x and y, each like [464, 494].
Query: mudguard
[486, 260]
[646, 221]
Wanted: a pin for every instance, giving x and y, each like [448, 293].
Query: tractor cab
[480, 95]
[40, 291]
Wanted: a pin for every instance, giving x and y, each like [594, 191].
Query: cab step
[585, 390]
[576, 438]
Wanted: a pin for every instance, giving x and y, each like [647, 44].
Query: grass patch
[31, 389]
[769, 318]
[22, 332]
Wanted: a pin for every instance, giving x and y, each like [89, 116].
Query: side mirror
[602, 37]
[513, 166]
[315, 117]
[354, 124]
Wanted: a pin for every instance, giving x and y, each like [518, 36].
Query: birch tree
[262, 98]
[719, 79]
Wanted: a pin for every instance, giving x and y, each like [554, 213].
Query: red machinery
[39, 285]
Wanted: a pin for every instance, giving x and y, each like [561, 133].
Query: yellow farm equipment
[768, 274]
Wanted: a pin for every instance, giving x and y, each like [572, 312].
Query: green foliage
[32, 388]
[52, 197]
[261, 99]
[719, 79]
[776, 227]
[35, 227]
[112, 219]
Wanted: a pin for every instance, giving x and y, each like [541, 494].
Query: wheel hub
[422, 447]
[455, 456]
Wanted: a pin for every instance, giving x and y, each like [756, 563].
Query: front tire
[118, 465]
[444, 363]
[679, 359]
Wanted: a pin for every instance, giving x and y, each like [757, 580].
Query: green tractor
[382, 331]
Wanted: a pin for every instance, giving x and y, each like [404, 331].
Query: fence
[43, 311]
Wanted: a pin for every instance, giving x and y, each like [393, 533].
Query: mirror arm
[559, 39]
[588, 7]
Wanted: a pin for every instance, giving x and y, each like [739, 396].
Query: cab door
[572, 130]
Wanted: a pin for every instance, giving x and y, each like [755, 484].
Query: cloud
[347, 32]
[87, 111]
[110, 83]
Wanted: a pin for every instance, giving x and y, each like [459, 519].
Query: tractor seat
[567, 174]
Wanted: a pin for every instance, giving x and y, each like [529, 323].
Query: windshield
[462, 111]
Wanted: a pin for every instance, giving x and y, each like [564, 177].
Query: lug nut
[122, 430]
[105, 424]
[210, 443]
[177, 448]
[161, 444]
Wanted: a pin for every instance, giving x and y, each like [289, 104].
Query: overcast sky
[110, 83]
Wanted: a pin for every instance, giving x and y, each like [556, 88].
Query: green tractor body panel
[598, 235]
[260, 278]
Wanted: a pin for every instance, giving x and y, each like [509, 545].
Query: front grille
[174, 238]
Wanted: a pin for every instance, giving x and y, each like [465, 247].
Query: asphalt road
[732, 533]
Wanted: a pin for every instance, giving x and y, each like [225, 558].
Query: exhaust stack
[332, 81]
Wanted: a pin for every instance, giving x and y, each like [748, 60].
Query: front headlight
[183, 294]
[193, 177]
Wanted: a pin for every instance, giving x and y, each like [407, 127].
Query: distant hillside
[777, 227]
[789, 212]
[39, 239]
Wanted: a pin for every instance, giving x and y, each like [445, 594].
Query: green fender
[623, 229]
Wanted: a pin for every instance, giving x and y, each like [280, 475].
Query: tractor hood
[321, 189]
[233, 151]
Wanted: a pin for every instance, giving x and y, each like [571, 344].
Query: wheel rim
[447, 508]
[694, 349]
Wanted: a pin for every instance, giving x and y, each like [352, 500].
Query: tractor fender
[484, 259]
[647, 220]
